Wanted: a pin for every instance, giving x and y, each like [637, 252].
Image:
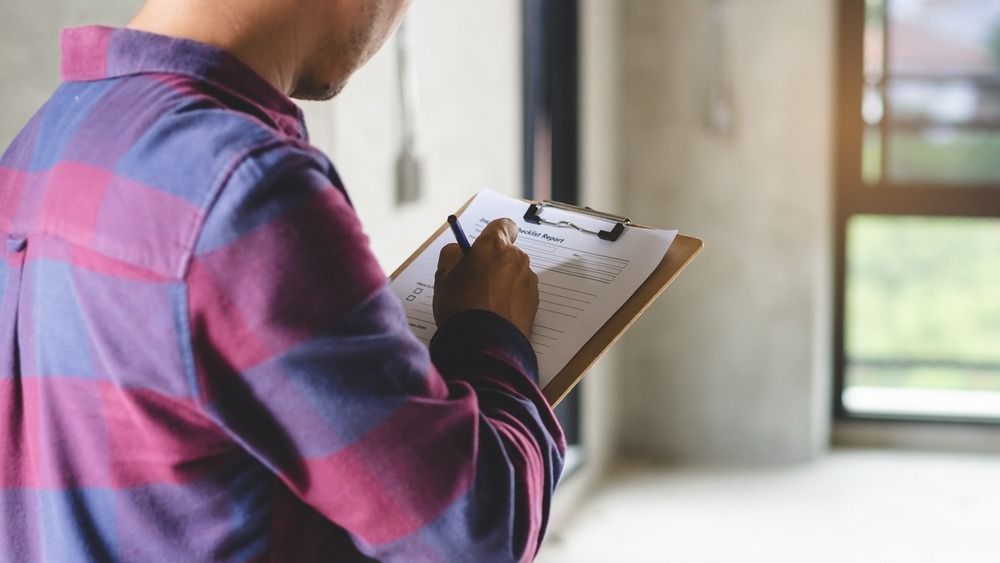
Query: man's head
[306, 48]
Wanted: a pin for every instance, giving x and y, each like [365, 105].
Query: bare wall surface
[732, 364]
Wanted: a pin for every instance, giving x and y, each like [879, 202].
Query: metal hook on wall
[720, 102]
[409, 167]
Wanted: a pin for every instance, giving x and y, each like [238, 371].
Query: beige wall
[733, 364]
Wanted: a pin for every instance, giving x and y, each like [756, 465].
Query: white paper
[583, 280]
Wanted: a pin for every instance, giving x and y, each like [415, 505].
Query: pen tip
[452, 219]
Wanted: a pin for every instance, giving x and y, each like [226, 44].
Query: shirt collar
[99, 52]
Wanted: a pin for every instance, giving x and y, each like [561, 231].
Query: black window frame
[551, 134]
[853, 196]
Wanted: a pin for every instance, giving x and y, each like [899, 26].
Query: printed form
[582, 280]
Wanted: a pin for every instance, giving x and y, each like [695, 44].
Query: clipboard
[683, 250]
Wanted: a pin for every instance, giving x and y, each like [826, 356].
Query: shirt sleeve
[305, 358]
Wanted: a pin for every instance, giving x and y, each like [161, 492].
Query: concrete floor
[852, 506]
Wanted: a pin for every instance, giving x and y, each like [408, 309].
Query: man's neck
[251, 33]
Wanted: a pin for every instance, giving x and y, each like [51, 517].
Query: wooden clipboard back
[678, 256]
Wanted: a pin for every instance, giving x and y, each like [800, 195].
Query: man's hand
[494, 275]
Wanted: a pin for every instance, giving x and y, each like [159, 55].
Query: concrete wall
[733, 364]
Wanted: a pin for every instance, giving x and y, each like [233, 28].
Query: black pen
[463, 242]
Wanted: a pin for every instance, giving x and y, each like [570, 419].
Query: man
[201, 358]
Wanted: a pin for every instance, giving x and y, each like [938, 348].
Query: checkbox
[418, 291]
[411, 297]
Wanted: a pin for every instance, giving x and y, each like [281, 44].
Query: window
[551, 137]
[917, 331]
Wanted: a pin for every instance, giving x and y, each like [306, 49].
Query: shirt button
[16, 243]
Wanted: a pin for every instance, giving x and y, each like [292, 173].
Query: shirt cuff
[465, 338]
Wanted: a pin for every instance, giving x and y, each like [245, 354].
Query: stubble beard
[354, 52]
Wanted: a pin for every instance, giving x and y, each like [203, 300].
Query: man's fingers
[500, 231]
[450, 255]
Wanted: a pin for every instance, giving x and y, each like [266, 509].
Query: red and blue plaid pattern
[201, 359]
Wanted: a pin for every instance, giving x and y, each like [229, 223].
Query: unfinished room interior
[820, 382]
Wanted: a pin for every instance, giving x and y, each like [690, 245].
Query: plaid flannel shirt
[201, 359]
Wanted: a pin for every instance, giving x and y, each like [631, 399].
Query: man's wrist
[473, 333]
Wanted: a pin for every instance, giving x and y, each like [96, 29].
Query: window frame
[853, 196]
[551, 139]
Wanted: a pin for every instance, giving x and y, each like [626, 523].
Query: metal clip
[533, 216]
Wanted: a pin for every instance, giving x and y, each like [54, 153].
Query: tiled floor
[852, 506]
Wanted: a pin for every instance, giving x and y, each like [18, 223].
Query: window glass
[932, 84]
[922, 315]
